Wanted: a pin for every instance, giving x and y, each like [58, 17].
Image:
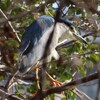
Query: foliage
[77, 57]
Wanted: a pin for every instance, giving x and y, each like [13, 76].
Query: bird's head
[72, 29]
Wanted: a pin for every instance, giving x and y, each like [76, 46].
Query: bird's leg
[53, 81]
[36, 70]
[37, 78]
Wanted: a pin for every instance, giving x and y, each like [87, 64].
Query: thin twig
[10, 81]
[98, 91]
[66, 86]
[33, 11]
[7, 95]
[81, 94]
[73, 83]
[10, 25]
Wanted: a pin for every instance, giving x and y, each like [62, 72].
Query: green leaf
[7, 2]
[93, 47]
[64, 98]
[82, 70]
[88, 63]
[4, 4]
[95, 58]
[16, 10]
[18, 93]
[79, 11]
[12, 43]
[1, 78]
[70, 95]
[31, 89]
[87, 39]
[20, 87]
[50, 97]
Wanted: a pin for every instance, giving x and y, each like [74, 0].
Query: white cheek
[64, 32]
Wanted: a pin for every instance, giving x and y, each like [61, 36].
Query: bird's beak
[78, 37]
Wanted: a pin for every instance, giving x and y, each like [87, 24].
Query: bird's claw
[55, 83]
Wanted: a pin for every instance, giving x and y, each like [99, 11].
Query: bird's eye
[72, 28]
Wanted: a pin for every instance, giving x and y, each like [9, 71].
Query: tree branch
[34, 11]
[81, 95]
[92, 6]
[10, 25]
[66, 86]
[10, 81]
[7, 95]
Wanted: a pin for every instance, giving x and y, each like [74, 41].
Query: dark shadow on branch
[65, 86]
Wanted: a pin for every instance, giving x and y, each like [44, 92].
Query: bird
[33, 42]
[36, 36]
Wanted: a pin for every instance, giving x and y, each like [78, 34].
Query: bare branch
[10, 25]
[7, 95]
[72, 84]
[98, 91]
[92, 6]
[10, 81]
[64, 87]
[81, 94]
[33, 11]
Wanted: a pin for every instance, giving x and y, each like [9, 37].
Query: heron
[34, 40]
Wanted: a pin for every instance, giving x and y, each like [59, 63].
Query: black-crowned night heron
[35, 39]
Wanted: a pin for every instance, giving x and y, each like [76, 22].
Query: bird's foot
[55, 82]
[36, 71]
